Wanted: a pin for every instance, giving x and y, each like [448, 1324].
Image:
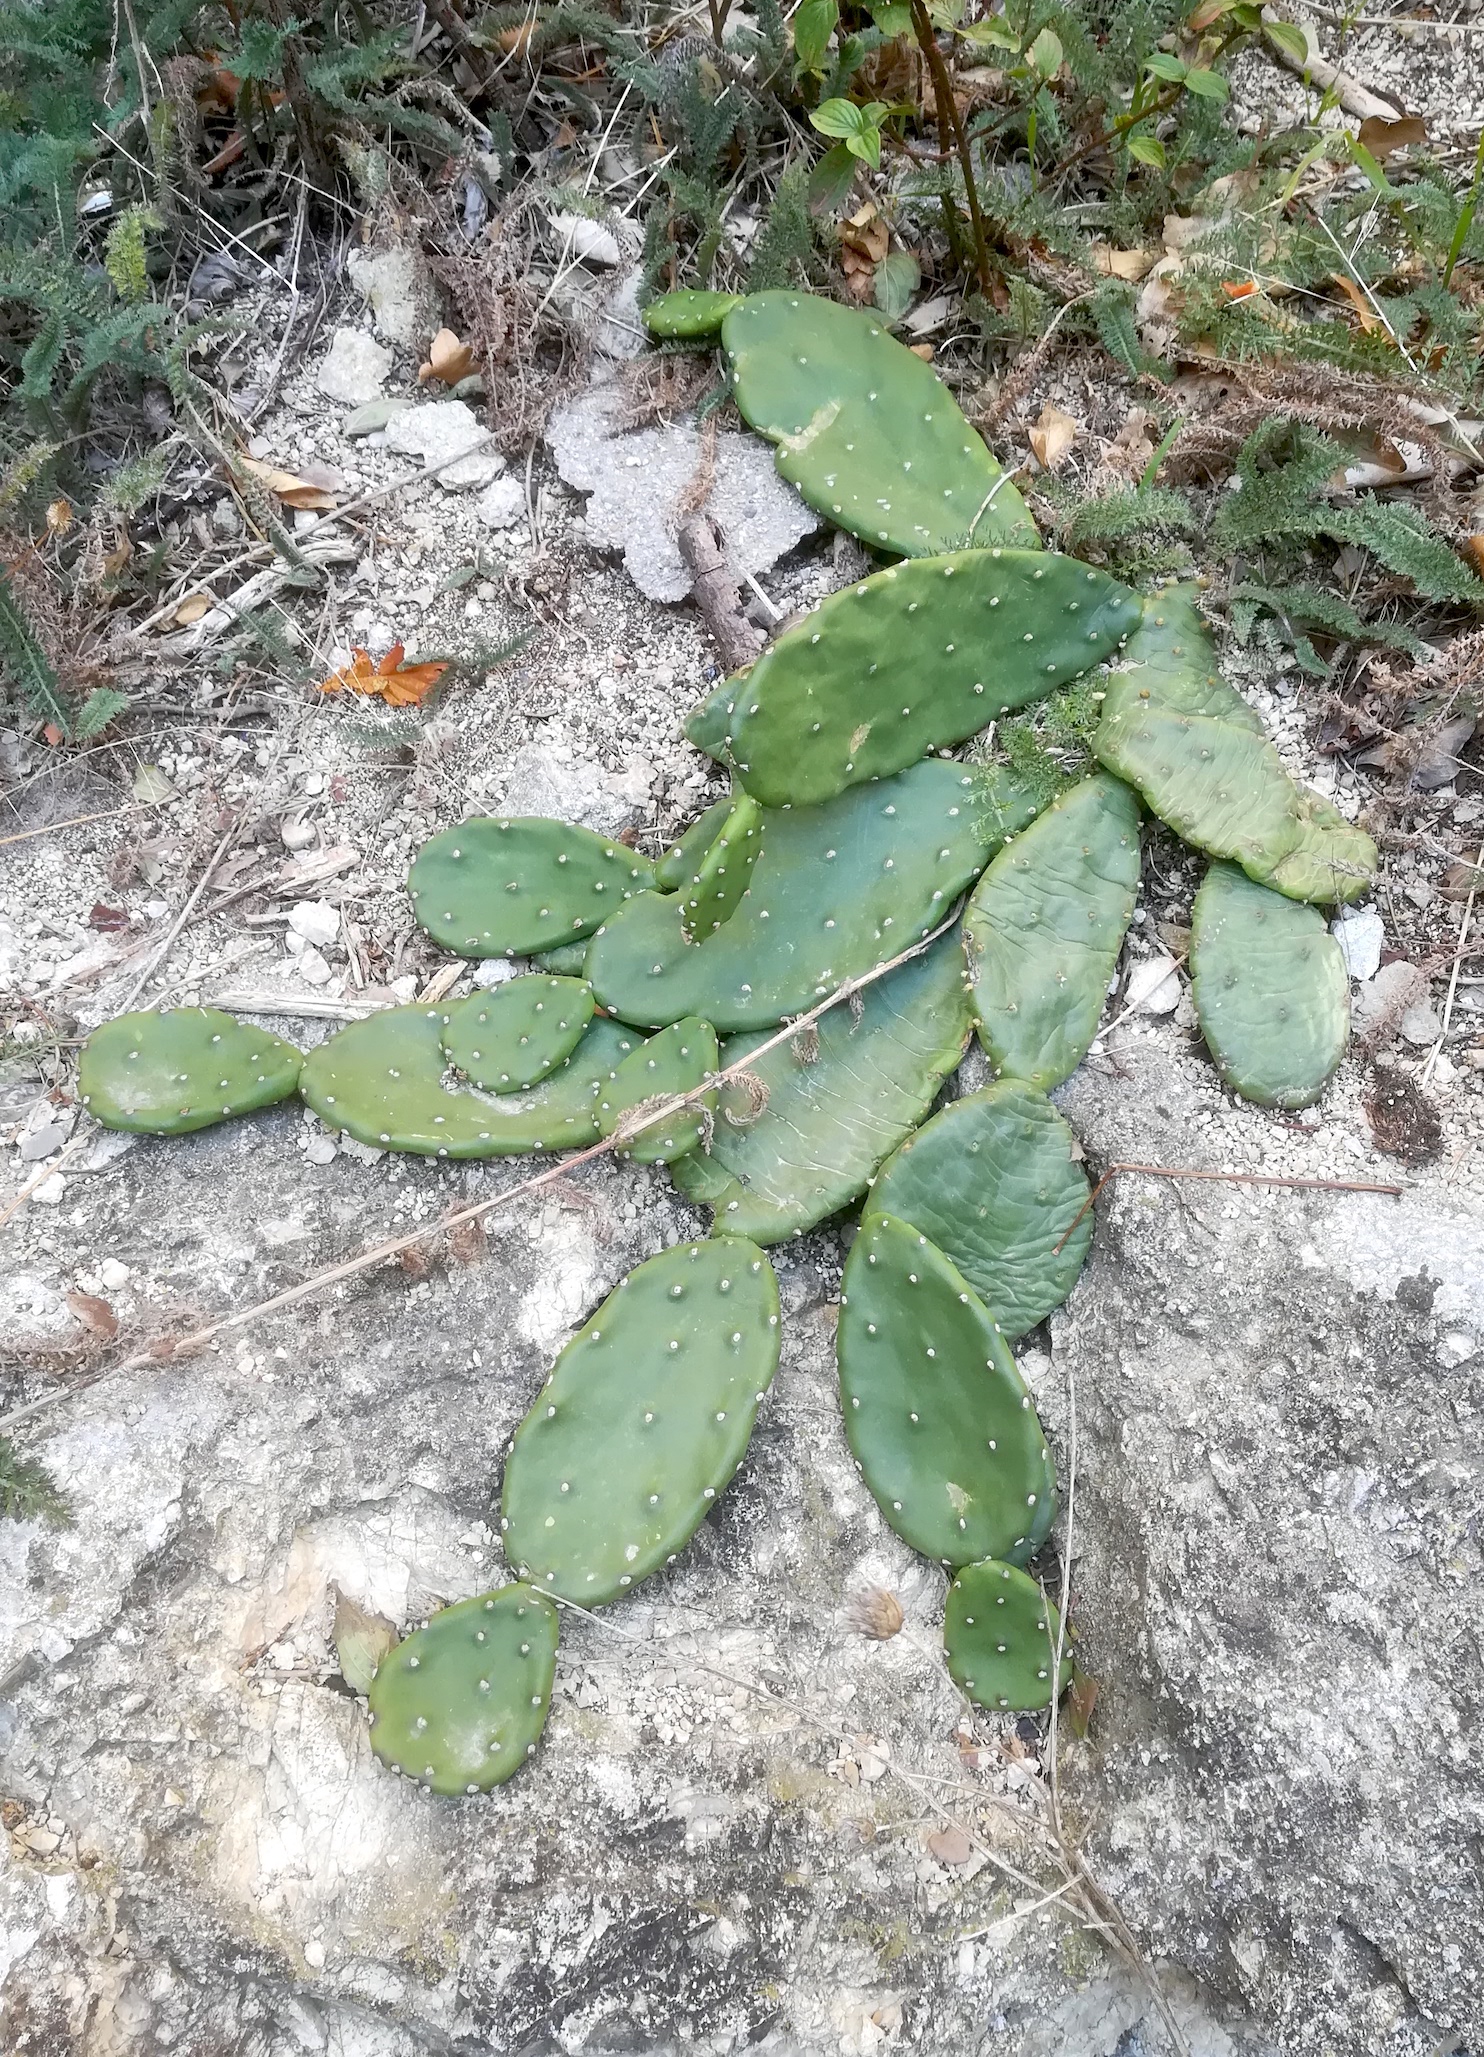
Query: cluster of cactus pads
[846, 843]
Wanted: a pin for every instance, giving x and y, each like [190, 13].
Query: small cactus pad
[1203, 765]
[495, 888]
[381, 1081]
[775, 1169]
[867, 432]
[677, 1060]
[1044, 928]
[689, 312]
[1270, 989]
[565, 961]
[992, 1180]
[1000, 1635]
[678, 865]
[715, 889]
[937, 1415]
[709, 723]
[460, 1705]
[646, 1415]
[512, 1036]
[163, 1074]
[837, 889]
[913, 659]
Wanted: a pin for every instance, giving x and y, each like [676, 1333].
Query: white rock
[49, 1192]
[313, 968]
[492, 971]
[586, 239]
[1455, 1348]
[503, 504]
[1153, 986]
[437, 433]
[316, 921]
[296, 834]
[1360, 934]
[355, 368]
[400, 288]
[321, 1149]
[314, 1955]
[113, 1274]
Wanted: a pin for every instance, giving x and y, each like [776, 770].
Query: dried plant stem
[951, 131]
[1461, 952]
[1235, 1178]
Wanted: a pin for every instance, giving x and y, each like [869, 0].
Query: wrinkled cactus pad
[915, 658]
[512, 1036]
[689, 312]
[1000, 1636]
[460, 1705]
[1044, 927]
[937, 1415]
[182, 1068]
[1270, 989]
[993, 1181]
[678, 865]
[715, 889]
[1170, 659]
[503, 887]
[677, 1060]
[644, 1419]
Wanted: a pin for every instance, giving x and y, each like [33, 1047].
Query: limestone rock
[355, 368]
[401, 291]
[436, 432]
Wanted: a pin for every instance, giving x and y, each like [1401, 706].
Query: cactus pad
[709, 723]
[867, 432]
[678, 865]
[715, 890]
[689, 312]
[913, 659]
[565, 961]
[381, 1081]
[183, 1068]
[498, 888]
[1000, 1634]
[937, 1415]
[837, 889]
[1044, 928]
[677, 1060]
[512, 1036]
[643, 1421]
[826, 1124]
[1270, 989]
[993, 1182]
[460, 1705]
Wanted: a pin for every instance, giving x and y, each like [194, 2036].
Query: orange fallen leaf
[1474, 547]
[1239, 289]
[191, 609]
[399, 684]
[922, 350]
[1365, 314]
[292, 488]
[448, 360]
[1053, 436]
[1381, 137]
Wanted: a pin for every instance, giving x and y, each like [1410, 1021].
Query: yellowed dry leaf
[292, 488]
[1121, 264]
[1053, 436]
[190, 609]
[59, 517]
[448, 360]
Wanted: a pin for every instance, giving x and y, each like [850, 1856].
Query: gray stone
[1361, 935]
[402, 294]
[354, 369]
[436, 432]
[503, 504]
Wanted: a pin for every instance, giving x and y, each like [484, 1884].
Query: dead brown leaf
[1053, 436]
[362, 1639]
[1365, 314]
[294, 489]
[448, 360]
[950, 1846]
[399, 684]
[1082, 1697]
[59, 517]
[875, 1613]
[190, 609]
[1381, 137]
[95, 1315]
[1122, 264]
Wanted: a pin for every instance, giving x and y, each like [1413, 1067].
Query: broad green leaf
[831, 180]
[1161, 65]
[892, 18]
[837, 118]
[897, 279]
[814, 24]
[1208, 85]
[1046, 53]
[1286, 38]
[994, 34]
[1147, 149]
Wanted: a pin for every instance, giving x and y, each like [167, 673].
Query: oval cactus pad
[183, 1068]
[689, 311]
[512, 1036]
[677, 1060]
[1000, 1635]
[716, 888]
[643, 1420]
[677, 867]
[460, 1705]
[498, 888]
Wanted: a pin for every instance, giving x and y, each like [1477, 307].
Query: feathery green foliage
[28, 1491]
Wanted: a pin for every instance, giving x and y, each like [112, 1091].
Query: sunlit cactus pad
[512, 1036]
[182, 1068]
[1170, 658]
[1000, 1635]
[714, 891]
[642, 1422]
[689, 312]
[501, 887]
[994, 1181]
[678, 865]
[801, 1141]
[915, 658]
[709, 723]
[937, 1415]
[460, 1705]
[678, 1060]
[1270, 988]
[868, 433]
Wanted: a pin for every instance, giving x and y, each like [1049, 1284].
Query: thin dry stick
[1235, 1178]
[182, 918]
[1462, 951]
[55, 828]
[39, 1178]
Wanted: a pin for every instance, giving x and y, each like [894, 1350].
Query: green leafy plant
[28, 1492]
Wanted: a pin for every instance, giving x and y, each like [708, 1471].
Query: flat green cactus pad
[512, 1036]
[1044, 928]
[715, 889]
[1270, 988]
[565, 961]
[1000, 1636]
[709, 723]
[913, 659]
[381, 1081]
[937, 1415]
[643, 1421]
[678, 865]
[461, 1704]
[867, 432]
[183, 1068]
[837, 889]
[993, 1181]
[689, 312]
[503, 887]
[1196, 752]
[677, 1060]
[826, 1124]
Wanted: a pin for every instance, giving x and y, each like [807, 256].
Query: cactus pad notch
[938, 1417]
[168, 1072]
[644, 1419]
[511, 1037]
[506, 886]
[460, 1704]
[677, 1060]
[1000, 1636]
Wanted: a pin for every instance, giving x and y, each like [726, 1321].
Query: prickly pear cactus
[801, 1141]
[994, 1182]
[837, 889]
[183, 1068]
[1170, 659]
[565, 961]
[678, 865]
[1044, 928]
[867, 432]
[381, 1081]
[709, 723]
[677, 1060]
[643, 1421]
[511, 1037]
[1270, 989]
[714, 891]
[688, 313]
[913, 659]
[498, 888]
[937, 1415]
[1000, 1635]
[461, 1704]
